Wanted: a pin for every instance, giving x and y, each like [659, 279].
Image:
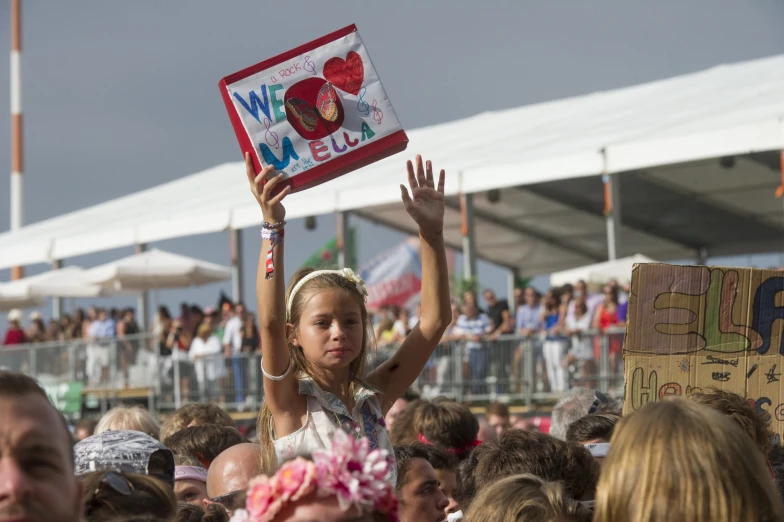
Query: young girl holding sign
[315, 336]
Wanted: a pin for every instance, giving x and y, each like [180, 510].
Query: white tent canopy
[663, 137]
[600, 273]
[156, 269]
[63, 282]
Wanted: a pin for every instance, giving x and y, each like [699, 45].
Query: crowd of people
[707, 457]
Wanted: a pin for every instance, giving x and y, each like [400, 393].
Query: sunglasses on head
[598, 399]
[231, 501]
[111, 483]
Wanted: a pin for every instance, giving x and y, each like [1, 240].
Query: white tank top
[327, 413]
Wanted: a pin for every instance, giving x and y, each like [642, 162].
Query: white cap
[34, 316]
[15, 315]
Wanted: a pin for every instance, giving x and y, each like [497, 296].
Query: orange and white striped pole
[16, 123]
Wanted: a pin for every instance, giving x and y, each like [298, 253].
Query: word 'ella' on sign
[694, 327]
[315, 112]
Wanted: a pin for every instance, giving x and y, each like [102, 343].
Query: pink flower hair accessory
[349, 471]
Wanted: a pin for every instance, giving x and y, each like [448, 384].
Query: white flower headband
[345, 273]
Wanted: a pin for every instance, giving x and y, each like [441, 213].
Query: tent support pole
[467, 230]
[235, 247]
[343, 233]
[511, 282]
[143, 300]
[57, 302]
[612, 214]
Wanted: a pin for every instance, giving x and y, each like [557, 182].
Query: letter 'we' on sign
[315, 112]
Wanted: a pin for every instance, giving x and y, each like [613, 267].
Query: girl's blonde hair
[129, 418]
[525, 498]
[679, 460]
[300, 365]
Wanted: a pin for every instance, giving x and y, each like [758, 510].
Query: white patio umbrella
[156, 269]
[30, 291]
[600, 273]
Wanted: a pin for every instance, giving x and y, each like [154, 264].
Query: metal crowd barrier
[515, 369]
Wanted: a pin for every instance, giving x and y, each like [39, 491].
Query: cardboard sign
[315, 112]
[694, 327]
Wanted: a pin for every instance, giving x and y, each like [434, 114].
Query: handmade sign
[694, 327]
[315, 112]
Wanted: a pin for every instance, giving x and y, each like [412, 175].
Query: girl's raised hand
[271, 207]
[426, 202]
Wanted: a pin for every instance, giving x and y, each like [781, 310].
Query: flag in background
[327, 255]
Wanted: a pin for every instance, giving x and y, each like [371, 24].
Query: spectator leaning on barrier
[15, 334]
[208, 362]
[473, 327]
[232, 346]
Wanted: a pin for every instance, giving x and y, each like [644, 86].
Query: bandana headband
[345, 273]
[455, 451]
[190, 473]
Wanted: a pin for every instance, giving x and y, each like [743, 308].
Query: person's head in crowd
[531, 297]
[210, 319]
[578, 403]
[680, 460]
[92, 313]
[594, 431]
[519, 296]
[580, 307]
[114, 314]
[581, 289]
[498, 417]
[109, 495]
[418, 310]
[15, 319]
[442, 422]
[37, 481]
[526, 498]
[103, 315]
[85, 428]
[195, 414]
[470, 310]
[610, 294]
[197, 315]
[345, 483]
[124, 452]
[469, 298]
[398, 406]
[204, 331]
[776, 460]
[404, 315]
[193, 513]
[129, 418]
[203, 442]
[190, 483]
[230, 474]
[418, 488]
[129, 314]
[517, 452]
[486, 433]
[239, 310]
[566, 292]
[315, 293]
[737, 408]
[593, 428]
[490, 297]
[552, 300]
[455, 311]
[445, 466]
[163, 314]
[613, 283]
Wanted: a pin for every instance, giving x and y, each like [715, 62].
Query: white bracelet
[272, 377]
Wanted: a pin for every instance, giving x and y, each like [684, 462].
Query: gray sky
[121, 96]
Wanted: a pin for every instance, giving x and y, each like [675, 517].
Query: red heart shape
[347, 75]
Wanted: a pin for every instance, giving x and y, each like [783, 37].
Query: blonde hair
[129, 418]
[300, 365]
[679, 460]
[526, 498]
[195, 414]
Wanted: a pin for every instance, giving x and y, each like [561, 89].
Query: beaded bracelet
[273, 226]
[274, 236]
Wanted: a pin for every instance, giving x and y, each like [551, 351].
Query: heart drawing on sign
[347, 75]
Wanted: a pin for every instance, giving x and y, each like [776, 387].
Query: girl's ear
[290, 334]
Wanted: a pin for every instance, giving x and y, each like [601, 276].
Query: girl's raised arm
[426, 206]
[282, 396]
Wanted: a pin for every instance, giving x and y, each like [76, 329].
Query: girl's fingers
[265, 173]
[282, 194]
[249, 169]
[404, 194]
[441, 176]
[412, 182]
[270, 185]
[429, 174]
[420, 172]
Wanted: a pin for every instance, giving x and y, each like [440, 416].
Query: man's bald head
[232, 470]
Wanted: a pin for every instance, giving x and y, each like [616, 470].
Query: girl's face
[330, 329]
